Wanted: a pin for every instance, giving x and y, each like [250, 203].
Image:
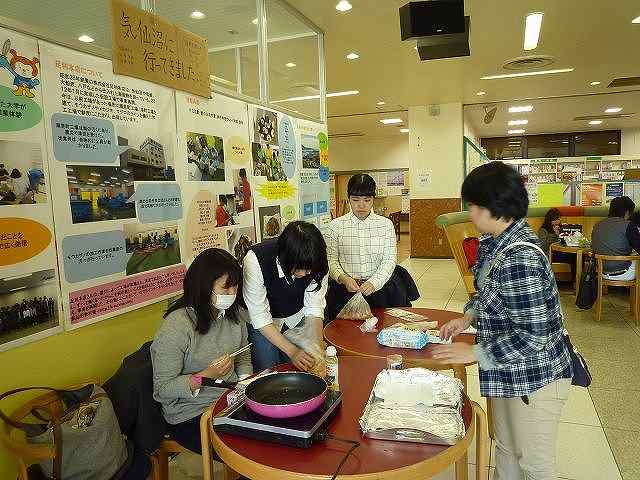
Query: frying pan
[283, 395]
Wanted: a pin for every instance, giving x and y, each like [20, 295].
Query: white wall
[630, 144]
[470, 132]
[362, 153]
[435, 147]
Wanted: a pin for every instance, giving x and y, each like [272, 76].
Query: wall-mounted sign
[149, 47]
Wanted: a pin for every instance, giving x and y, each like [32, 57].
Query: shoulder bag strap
[509, 247]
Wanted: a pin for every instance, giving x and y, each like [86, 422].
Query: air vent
[601, 117]
[625, 82]
[346, 135]
[529, 62]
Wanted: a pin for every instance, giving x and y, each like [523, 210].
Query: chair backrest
[600, 259]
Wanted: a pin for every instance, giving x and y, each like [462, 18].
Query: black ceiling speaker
[439, 27]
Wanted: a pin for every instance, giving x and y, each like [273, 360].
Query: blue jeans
[264, 354]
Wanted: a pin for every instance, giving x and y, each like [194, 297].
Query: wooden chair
[562, 271]
[14, 441]
[395, 219]
[603, 283]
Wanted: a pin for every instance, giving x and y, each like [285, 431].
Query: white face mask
[223, 302]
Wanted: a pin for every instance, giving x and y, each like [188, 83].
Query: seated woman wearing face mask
[199, 332]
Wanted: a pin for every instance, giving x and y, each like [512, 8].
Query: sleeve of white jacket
[254, 292]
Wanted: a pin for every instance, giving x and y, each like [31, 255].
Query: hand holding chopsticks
[231, 355]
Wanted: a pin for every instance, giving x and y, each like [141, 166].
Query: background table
[349, 340]
[578, 252]
[374, 459]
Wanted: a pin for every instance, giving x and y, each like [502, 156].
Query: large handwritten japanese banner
[148, 47]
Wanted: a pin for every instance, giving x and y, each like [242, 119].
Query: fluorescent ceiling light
[533, 23]
[343, 6]
[353, 56]
[114, 178]
[513, 132]
[613, 110]
[94, 174]
[481, 93]
[69, 169]
[16, 289]
[197, 15]
[636, 20]
[290, 65]
[86, 39]
[391, 121]
[71, 177]
[520, 109]
[73, 181]
[593, 84]
[125, 171]
[518, 122]
[527, 74]
[381, 103]
[404, 130]
[595, 122]
[313, 97]
[254, 21]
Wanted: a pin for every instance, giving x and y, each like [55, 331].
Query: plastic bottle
[331, 356]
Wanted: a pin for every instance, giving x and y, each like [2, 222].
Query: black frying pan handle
[212, 382]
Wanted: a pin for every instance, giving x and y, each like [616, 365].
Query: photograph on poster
[148, 162]
[267, 162]
[205, 158]
[227, 210]
[265, 127]
[240, 241]
[28, 304]
[270, 221]
[100, 193]
[395, 179]
[151, 247]
[310, 151]
[242, 189]
[22, 179]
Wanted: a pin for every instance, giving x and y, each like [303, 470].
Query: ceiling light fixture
[481, 93]
[527, 74]
[343, 6]
[532, 25]
[313, 97]
[518, 122]
[86, 39]
[514, 132]
[613, 110]
[254, 21]
[94, 174]
[381, 103]
[353, 56]
[290, 65]
[404, 130]
[520, 109]
[197, 15]
[593, 84]
[595, 122]
[636, 20]
[391, 121]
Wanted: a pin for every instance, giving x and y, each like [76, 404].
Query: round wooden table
[374, 459]
[346, 336]
[579, 252]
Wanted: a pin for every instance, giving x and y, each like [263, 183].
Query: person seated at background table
[616, 235]
[362, 253]
[195, 339]
[524, 363]
[284, 284]
[549, 233]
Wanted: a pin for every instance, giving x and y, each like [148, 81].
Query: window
[505, 148]
[597, 143]
[548, 146]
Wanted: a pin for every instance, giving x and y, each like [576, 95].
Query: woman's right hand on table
[455, 326]
[302, 360]
[219, 368]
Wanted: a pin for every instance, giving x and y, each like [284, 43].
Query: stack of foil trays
[414, 405]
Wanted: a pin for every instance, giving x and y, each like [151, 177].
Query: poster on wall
[29, 295]
[592, 194]
[274, 170]
[117, 204]
[214, 160]
[532, 191]
[550, 194]
[613, 190]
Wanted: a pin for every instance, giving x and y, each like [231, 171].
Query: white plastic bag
[303, 336]
[356, 308]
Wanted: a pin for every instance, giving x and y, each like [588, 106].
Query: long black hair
[302, 247]
[552, 214]
[207, 267]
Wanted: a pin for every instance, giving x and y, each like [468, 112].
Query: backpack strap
[509, 247]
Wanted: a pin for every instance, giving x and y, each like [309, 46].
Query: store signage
[149, 47]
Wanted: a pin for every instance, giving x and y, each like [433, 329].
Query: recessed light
[343, 6]
[518, 122]
[353, 56]
[290, 65]
[197, 15]
[481, 93]
[613, 143]
[636, 20]
[520, 109]
[381, 103]
[415, 48]
[533, 23]
[254, 21]
[391, 121]
[593, 84]
[514, 132]
[404, 130]
[86, 39]
[613, 110]
[527, 74]
[595, 122]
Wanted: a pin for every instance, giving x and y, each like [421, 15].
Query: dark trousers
[264, 354]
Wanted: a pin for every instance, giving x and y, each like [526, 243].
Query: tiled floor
[600, 426]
